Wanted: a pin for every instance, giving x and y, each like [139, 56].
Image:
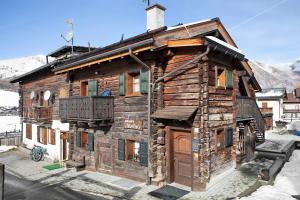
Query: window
[133, 83]
[265, 104]
[224, 78]
[29, 131]
[42, 135]
[84, 140]
[89, 88]
[133, 151]
[220, 142]
[224, 138]
[52, 137]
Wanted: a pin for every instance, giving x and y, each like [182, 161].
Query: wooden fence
[11, 139]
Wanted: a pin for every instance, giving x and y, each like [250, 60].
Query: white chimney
[155, 17]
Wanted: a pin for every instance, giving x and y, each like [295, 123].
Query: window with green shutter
[122, 84]
[229, 79]
[91, 142]
[144, 154]
[228, 137]
[92, 88]
[144, 81]
[78, 139]
[121, 149]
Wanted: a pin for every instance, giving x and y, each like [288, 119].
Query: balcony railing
[91, 108]
[38, 114]
[248, 109]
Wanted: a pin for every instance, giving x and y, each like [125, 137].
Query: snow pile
[294, 125]
[9, 123]
[270, 135]
[270, 93]
[286, 183]
[8, 98]
[223, 43]
[6, 148]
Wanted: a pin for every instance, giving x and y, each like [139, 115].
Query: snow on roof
[221, 42]
[9, 98]
[276, 92]
[188, 24]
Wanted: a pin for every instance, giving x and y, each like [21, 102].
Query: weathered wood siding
[104, 157]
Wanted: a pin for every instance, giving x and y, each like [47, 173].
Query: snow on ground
[271, 135]
[9, 123]
[8, 98]
[6, 148]
[286, 183]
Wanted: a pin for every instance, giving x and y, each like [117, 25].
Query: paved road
[21, 189]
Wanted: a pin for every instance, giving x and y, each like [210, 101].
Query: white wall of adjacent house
[277, 108]
[54, 151]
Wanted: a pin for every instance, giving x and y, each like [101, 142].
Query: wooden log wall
[125, 108]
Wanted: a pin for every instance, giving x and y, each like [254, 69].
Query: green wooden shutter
[144, 81]
[122, 84]
[228, 137]
[121, 149]
[144, 154]
[229, 79]
[78, 139]
[91, 142]
[93, 88]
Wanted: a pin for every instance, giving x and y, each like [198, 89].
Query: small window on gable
[221, 77]
[132, 149]
[224, 78]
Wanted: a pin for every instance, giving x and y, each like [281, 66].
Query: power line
[258, 14]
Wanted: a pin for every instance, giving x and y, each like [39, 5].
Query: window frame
[225, 70]
[129, 83]
[130, 143]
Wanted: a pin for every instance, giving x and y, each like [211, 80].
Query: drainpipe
[149, 107]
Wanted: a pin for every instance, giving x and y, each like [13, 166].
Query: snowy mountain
[10, 68]
[15, 67]
[278, 75]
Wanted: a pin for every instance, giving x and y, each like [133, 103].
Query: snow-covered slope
[17, 66]
[279, 75]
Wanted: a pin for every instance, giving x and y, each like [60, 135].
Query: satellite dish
[69, 36]
[47, 95]
[32, 95]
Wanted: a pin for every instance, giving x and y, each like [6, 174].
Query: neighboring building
[270, 101]
[291, 106]
[173, 104]
[39, 93]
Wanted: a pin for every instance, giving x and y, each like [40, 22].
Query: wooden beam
[185, 42]
[110, 58]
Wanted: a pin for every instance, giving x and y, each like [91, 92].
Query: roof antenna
[147, 1]
[69, 37]
[122, 37]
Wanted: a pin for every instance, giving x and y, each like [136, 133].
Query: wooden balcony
[86, 109]
[247, 108]
[37, 114]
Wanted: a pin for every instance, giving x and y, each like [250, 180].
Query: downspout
[149, 107]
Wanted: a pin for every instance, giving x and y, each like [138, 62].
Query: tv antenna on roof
[69, 36]
[147, 1]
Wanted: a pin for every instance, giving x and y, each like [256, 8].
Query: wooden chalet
[40, 91]
[175, 104]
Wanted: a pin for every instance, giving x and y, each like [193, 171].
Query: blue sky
[266, 30]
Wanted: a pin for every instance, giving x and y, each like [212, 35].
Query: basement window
[132, 149]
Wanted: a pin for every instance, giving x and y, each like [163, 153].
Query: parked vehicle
[38, 153]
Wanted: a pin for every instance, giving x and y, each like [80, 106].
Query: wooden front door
[182, 152]
[64, 138]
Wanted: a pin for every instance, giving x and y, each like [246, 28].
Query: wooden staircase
[260, 136]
